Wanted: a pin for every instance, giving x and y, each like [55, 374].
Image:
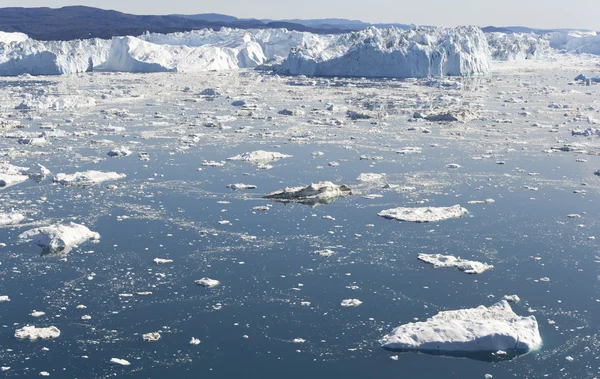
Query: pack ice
[415, 53]
[424, 214]
[59, 237]
[481, 329]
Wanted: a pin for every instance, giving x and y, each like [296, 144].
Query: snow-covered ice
[59, 237]
[87, 178]
[207, 282]
[481, 329]
[33, 333]
[424, 214]
[469, 267]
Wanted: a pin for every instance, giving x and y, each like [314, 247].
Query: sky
[577, 14]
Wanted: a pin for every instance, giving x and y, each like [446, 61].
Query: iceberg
[10, 218]
[424, 214]
[314, 194]
[59, 238]
[582, 42]
[466, 266]
[32, 333]
[518, 46]
[86, 178]
[415, 53]
[467, 331]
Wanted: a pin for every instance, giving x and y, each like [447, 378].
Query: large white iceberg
[424, 214]
[482, 329]
[395, 53]
[59, 238]
[87, 178]
[576, 41]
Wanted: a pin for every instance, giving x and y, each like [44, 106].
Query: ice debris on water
[259, 157]
[33, 333]
[161, 261]
[466, 266]
[512, 298]
[151, 337]
[481, 329]
[10, 218]
[424, 214]
[241, 186]
[194, 341]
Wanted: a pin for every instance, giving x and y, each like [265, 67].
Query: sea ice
[207, 282]
[319, 193]
[10, 218]
[351, 303]
[118, 361]
[259, 157]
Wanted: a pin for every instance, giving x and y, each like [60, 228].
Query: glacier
[373, 52]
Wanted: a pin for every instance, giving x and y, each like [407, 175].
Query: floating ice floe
[194, 341]
[10, 218]
[259, 157]
[4, 298]
[350, 303]
[512, 298]
[392, 52]
[469, 267]
[161, 261]
[314, 194]
[59, 238]
[207, 282]
[33, 333]
[118, 361]
[325, 253]
[119, 152]
[476, 330]
[35, 313]
[241, 186]
[424, 214]
[151, 337]
[38, 172]
[87, 178]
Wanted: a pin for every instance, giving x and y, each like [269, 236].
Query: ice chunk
[314, 194]
[241, 186]
[151, 337]
[207, 282]
[424, 214]
[469, 267]
[351, 303]
[59, 238]
[512, 298]
[37, 313]
[118, 361]
[119, 152]
[482, 329]
[4, 298]
[33, 333]
[161, 261]
[87, 178]
[259, 157]
[462, 115]
[10, 218]
[194, 341]
[8, 180]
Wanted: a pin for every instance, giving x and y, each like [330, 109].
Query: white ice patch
[207, 282]
[87, 178]
[350, 303]
[33, 333]
[481, 329]
[10, 218]
[59, 237]
[469, 267]
[259, 157]
[424, 214]
[321, 192]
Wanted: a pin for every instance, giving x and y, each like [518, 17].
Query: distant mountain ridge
[81, 22]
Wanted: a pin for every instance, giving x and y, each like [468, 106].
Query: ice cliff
[576, 41]
[395, 53]
[517, 46]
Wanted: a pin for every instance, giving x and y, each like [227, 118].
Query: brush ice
[86, 178]
[424, 214]
[469, 267]
[415, 53]
[481, 329]
[59, 237]
[259, 157]
[32, 333]
[10, 218]
[316, 193]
